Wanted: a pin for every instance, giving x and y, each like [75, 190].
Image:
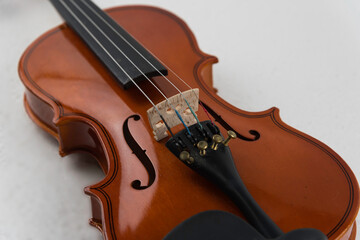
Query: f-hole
[225, 125]
[140, 154]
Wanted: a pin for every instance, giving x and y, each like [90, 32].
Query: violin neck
[122, 55]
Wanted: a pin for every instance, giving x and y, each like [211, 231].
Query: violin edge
[57, 111]
[348, 234]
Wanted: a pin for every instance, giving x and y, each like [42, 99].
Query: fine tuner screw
[202, 146]
[217, 139]
[185, 157]
[231, 135]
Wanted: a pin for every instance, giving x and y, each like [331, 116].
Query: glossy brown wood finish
[297, 180]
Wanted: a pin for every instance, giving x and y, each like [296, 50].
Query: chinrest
[215, 225]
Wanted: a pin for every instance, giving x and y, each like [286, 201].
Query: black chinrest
[220, 225]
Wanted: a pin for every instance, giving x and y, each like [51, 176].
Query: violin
[130, 86]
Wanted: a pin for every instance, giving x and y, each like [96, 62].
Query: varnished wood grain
[297, 180]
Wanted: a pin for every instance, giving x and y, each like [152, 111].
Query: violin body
[297, 180]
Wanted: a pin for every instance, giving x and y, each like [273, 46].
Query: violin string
[124, 39]
[107, 37]
[182, 80]
[97, 41]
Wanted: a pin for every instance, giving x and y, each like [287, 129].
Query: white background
[302, 56]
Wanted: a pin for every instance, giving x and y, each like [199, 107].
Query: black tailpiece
[198, 152]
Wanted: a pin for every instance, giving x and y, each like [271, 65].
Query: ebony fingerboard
[123, 56]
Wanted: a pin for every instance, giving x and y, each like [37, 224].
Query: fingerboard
[123, 56]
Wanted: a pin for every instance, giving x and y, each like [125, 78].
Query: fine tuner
[231, 135]
[203, 146]
[216, 164]
[217, 139]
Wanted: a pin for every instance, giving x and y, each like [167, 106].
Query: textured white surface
[302, 56]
